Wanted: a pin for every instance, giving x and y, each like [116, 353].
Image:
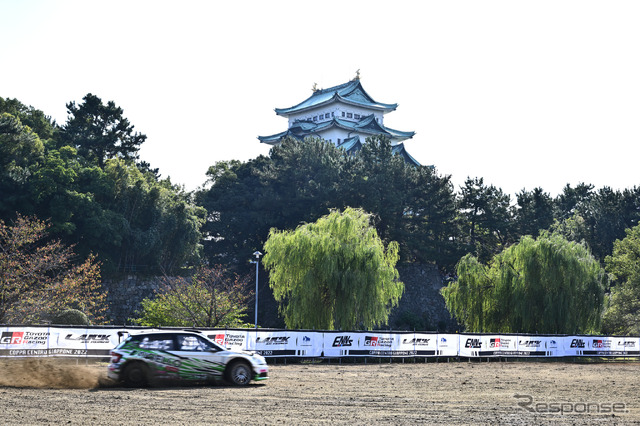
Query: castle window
[326, 115]
[356, 115]
[315, 118]
[343, 113]
[349, 115]
[332, 115]
[338, 141]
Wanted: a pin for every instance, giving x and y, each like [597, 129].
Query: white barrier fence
[42, 341]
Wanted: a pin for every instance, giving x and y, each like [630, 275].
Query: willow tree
[623, 312]
[543, 285]
[334, 273]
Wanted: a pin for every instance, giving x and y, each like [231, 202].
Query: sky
[523, 94]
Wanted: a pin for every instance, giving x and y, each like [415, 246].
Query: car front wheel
[239, 373]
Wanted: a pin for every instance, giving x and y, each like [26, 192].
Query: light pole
[257, 254]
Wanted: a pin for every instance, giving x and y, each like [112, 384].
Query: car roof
[166, 332]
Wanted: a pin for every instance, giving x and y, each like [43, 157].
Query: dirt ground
[45, 391]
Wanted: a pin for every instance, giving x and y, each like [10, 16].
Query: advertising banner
[82, 342]
[57, 341]
[279, 343]
[338, 343]
[447, 344]
[471, 344]
[422, 344]
[236, 340]
[24, 341]
[34, 341]
[610, 346]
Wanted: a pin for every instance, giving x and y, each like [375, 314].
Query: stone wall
[421, 307]
[125, 296]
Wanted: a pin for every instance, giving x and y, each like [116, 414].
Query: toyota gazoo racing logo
[530, 343]
[23, 337]
[416, 341]
[494, 343]
[341, 341]
[218, 338]
[229, 339]
[89, 338]
[378, 341]
[577, 343]
[276, 340]
[473, 343]
[601, 344]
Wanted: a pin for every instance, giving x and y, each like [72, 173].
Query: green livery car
[150, 357]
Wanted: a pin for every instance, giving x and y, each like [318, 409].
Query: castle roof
[366, 125]
[351, 93]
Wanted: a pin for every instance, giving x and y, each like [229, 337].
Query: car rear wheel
[239, 373]
[136, 375]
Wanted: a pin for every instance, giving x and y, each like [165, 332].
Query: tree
[21, 154]
[484, 217]
[333, 273]
[37, 121]
[38, 278]
[100, 131]
[534, 212]
[303, 180]
[622, 315]
[210, 298]
[543, 285]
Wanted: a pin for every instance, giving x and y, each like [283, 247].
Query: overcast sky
[523, 94]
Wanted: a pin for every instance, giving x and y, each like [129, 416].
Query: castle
[344, 115]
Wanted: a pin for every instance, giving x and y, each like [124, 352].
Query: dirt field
[33, 391]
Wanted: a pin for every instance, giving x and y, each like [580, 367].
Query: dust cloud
[51, 373]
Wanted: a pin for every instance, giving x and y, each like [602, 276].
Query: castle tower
[344, 115]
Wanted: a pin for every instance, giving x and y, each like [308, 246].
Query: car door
[200, 359]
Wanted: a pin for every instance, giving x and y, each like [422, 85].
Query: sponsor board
[228, 338]
[28, 341]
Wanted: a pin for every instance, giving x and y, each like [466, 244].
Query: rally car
[149, 357]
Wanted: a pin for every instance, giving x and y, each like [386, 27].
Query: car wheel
[136, 375]
[239, 373]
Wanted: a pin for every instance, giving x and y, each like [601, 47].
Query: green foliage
[210, 298]
[70, 317]
[534, 212]
[36, 120]
[543, 285]
[100, 131]
[623, 311]
[303, 180]
[84, 182]
[484, 218]
[334, 273]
